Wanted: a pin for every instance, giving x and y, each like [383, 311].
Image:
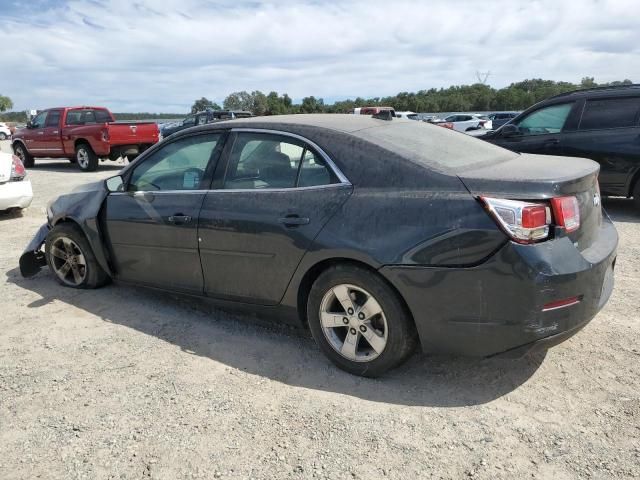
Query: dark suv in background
[602, 124]
[202, 118]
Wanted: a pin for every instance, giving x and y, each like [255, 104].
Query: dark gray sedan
[379, 235]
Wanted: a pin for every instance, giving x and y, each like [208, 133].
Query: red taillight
[534, 216]
[446, 125]
[566, 212]
[524, 222]
[17, 169]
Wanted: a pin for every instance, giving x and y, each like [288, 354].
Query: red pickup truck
[83, 135]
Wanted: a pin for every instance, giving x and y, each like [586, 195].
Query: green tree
[202, 104]
[5, 103]
[239, 101]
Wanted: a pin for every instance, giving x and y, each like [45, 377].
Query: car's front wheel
[71, 258]
[359, 322]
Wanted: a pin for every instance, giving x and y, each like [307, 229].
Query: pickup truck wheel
[86, 158]
[21, 152]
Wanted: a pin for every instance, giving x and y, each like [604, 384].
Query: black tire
[21, 152]
[401, 336]
[636, 194]
[93, 276]
[86, 158]
[3, 136]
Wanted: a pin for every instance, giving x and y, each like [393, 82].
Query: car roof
[616, 90]
[364, 142]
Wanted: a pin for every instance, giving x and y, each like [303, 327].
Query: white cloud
[146, 55]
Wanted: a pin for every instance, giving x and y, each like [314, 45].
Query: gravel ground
[128, 383]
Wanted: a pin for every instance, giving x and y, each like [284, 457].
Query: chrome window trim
[343, 181]
[341, 177]
[140, 193]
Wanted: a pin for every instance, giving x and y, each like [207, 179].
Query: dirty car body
[425, 210]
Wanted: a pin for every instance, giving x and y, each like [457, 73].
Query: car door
[276, 194]
[51, 139]
[152, 226]
[538, 132]
[34, 135]
[609, 133]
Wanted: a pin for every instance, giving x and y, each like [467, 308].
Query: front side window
[53, 119]
[262, 161]
[179, 165]
[38, 121]
[546, 120]
[610, 113]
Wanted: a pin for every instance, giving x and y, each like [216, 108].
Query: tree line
[458, 98]
[462, 98]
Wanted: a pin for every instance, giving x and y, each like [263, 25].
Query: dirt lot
[127, 383]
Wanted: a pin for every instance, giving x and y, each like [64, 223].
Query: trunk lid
[542, 177]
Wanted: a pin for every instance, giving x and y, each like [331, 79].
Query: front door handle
[179, 219]
[294, 220]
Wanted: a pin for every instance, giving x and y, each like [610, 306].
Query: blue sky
[149, 55]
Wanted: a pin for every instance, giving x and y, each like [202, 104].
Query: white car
[4, 131]
[15, 189]
[465, 122]
[408, 115]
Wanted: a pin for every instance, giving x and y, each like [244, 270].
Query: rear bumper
[498, 307]
[15, 195]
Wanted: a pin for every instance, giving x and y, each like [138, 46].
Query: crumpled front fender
[33, 259]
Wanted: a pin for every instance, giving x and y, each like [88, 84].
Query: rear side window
[263, 161]
[546, 120]
[610, 113]
[102, 116]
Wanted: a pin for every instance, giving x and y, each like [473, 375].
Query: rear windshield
[433, 146]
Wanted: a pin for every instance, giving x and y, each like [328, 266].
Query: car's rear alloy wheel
[71, 259]
[353, 323]
[359, 321]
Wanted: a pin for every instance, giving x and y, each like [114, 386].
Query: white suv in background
[465, 122]
[407, 115]
[4, 131]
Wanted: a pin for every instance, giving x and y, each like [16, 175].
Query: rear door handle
[179, 219]
[294, 220]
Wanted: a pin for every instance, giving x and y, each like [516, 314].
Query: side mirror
[29, 124]
[510, 130]
[114, 184]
